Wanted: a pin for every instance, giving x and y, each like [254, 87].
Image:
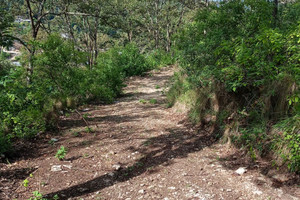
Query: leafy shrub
[160, 58]
[239, 45]
[128, 58]
[5, 143]
[20, 114]
[288, 144]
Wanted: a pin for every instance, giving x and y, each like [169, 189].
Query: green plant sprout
[61, 153]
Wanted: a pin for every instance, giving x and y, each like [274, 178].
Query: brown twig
[86, 122]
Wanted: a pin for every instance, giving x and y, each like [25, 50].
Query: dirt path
[139, 149]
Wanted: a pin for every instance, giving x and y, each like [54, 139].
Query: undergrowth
[242, 74]
[61, 81]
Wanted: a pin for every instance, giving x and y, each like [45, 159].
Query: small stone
[241, 171]
[113, 152]
[54, 140]
[117, 167]
[229, 190]
[2, 155]
[171, 188]
[141, 191]
[56, 168]
[258, 192]
[151, 186]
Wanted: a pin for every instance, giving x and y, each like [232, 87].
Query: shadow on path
[161, 150]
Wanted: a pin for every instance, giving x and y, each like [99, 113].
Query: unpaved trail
[142, 150]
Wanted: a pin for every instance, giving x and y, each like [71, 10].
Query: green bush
[60, 75]
[128, 59]
[287, 145]
[160, 58]
[5, 143]
[244, 52]
[240, 46]
[20, 114]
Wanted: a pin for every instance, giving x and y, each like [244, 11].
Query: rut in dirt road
[140, 149]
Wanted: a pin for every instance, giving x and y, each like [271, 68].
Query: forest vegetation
[238, 61]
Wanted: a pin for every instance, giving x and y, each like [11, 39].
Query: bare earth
[140, 150]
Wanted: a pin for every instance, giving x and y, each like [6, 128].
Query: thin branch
[19, 40]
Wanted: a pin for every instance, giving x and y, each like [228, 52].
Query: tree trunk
[169, 42]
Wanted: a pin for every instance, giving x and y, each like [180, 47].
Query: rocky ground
[137, 148]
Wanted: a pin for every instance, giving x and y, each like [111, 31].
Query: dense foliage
[255, 56]
[61, 80]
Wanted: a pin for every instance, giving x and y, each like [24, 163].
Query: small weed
[36, 196]
[39, 196]
[131, 168]
[252, 153]
[157, 87]
[7, 161]
[52, 141]
[139, 164]
[25, 183]
[76, 134]
[89, 130]
[153, 101]
[147, 143]
[85, 155]
[150, 168]
[86, 115]
[143, 101]
[61, 153]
